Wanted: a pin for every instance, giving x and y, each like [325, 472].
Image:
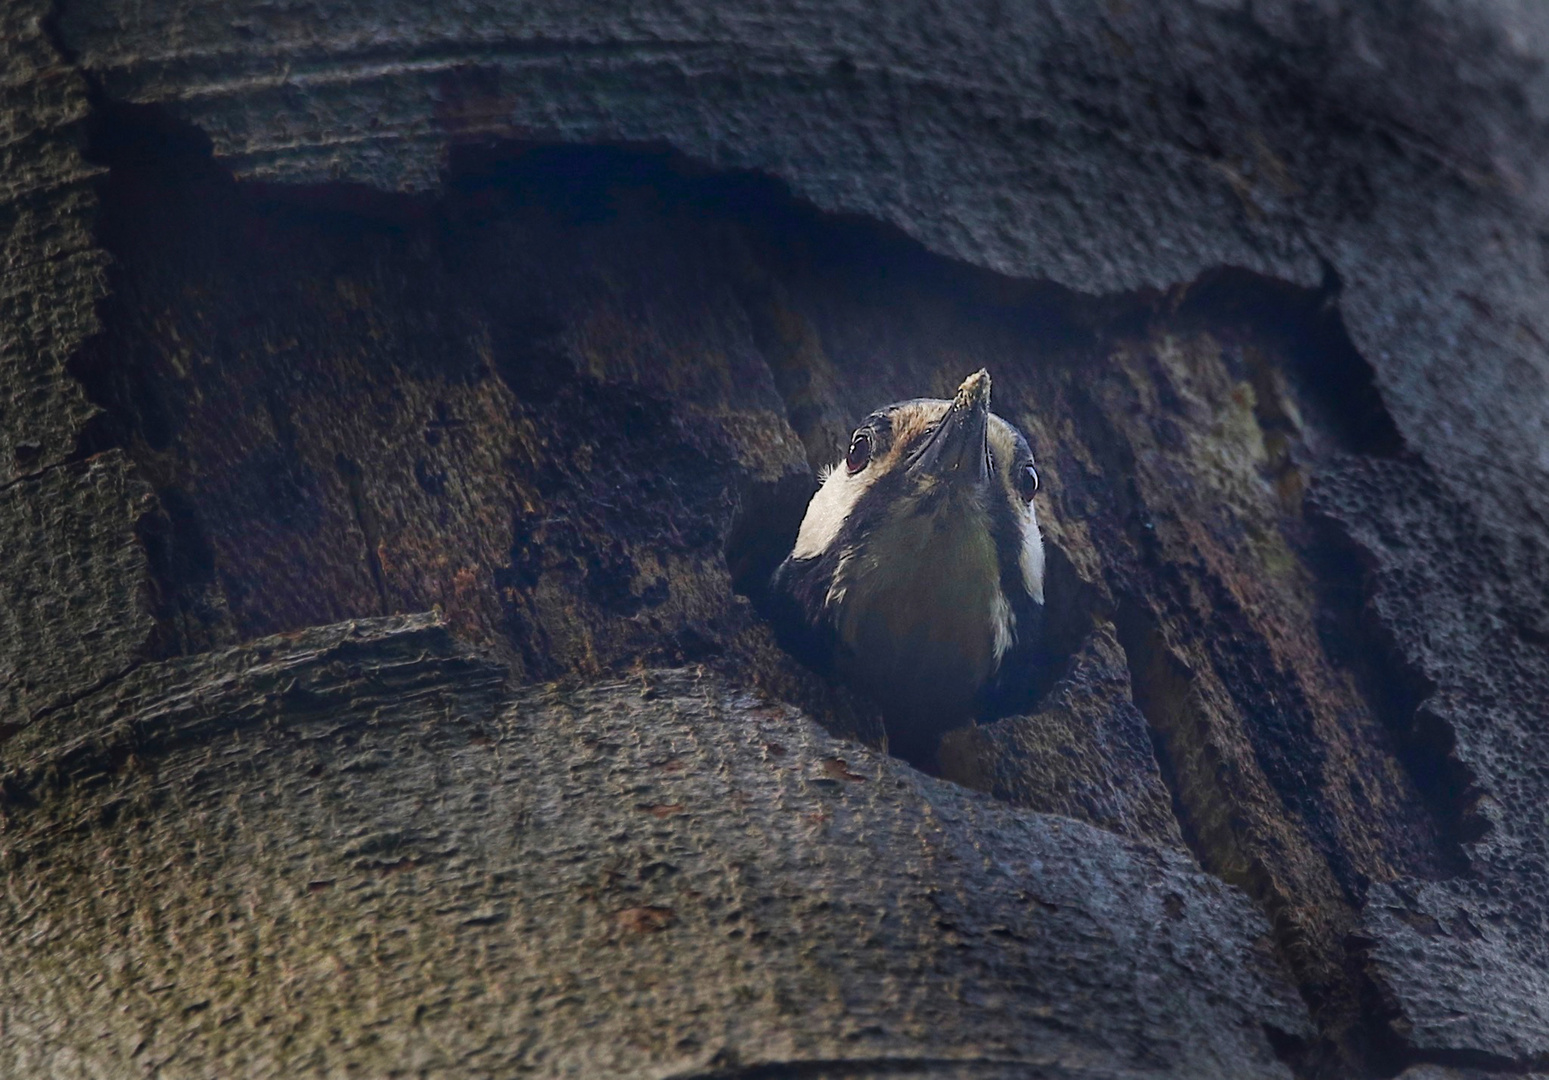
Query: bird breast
[921, 611]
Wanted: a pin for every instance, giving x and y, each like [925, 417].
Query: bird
[919, 564]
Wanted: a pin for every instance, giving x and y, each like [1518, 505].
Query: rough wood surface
[50, 267]
[74, 613]
[347, 850]
[317, 314]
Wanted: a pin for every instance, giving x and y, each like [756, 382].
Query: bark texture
[404, 406]
[659, 876]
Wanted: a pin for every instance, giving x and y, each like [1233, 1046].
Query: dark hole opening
[764, 531]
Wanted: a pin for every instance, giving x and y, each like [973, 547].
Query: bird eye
[1027, 482]
[860, 452]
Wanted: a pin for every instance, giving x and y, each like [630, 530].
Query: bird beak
[957, 450]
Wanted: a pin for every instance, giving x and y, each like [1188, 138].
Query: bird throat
[923, 618]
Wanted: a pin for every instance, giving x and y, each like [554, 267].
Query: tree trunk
[405, 406]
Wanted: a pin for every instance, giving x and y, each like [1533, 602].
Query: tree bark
[406, 405]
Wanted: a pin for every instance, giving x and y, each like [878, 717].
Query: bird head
[917, 550]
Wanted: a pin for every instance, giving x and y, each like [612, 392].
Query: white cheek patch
[1003, 444]
[1031, 558]
[1005, 623]
[829, 508]
[841, 584]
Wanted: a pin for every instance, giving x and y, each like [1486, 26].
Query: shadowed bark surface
[471, 880]
[404, 409]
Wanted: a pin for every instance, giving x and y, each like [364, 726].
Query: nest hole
[763, 532]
